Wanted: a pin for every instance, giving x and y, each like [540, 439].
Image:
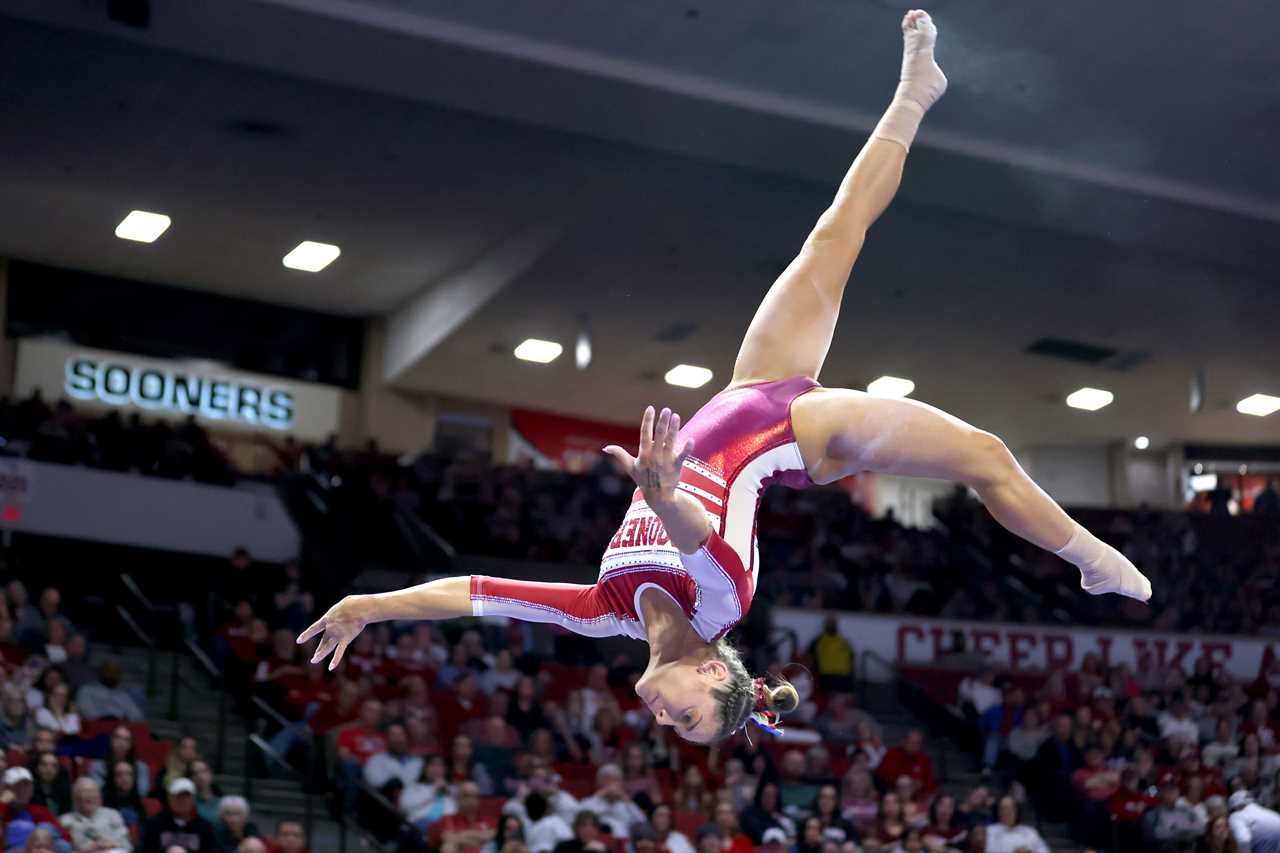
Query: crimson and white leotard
[744, 442]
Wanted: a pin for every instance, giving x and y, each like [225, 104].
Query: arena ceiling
[1096, 173]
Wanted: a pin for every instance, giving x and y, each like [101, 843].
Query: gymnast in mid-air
[682, 568]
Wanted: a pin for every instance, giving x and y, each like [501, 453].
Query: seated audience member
[734, 840]
[909, 759]
[1168, 826]
[587, 837]
[290, 837]
[92, 826]
[52, 784]
[946, 826]
[430, 797]
[20, 816]
[544, 829]
[465, 831]
[180, 762]
[208, 795]
[233, 825]
[105, 699]
[673, 840]
[859, 803]
[834, 825]
[58, 714]
[358, 742]
[394, 766]
[179, 824]
[16, 722]
[766, 812]
[120, 792]
[121, 748]
[797, 792]
[1010, 835]
[611, 804]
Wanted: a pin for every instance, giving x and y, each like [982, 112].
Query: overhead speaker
[1196, 399]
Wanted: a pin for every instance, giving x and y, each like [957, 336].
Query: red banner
[570, 443]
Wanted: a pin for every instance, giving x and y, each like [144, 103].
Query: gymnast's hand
[656, 470]
[341, 624]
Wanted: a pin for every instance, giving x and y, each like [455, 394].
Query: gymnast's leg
[842, 432]
[792, 328]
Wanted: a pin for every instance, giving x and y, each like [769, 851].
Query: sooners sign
[1014, 648]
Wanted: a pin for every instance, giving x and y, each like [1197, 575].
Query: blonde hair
[737, 695]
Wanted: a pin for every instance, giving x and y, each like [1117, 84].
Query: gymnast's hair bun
[782, 699]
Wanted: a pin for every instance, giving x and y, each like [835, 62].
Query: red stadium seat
[152, 806]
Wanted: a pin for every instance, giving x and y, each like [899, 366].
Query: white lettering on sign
[118, 383]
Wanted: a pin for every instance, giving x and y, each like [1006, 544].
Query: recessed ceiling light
[310, 256]
[891, 386]
[539, 351]
[688, 376]
[1090, 399]
[1260, 405]
[1142, 442]
[142, 226]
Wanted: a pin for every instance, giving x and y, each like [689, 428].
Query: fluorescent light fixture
[1089, 399]
[142, 226]
[540, 351]
[582, 351]
[1259, 404]
[891, 386]
[310, 256]
[688, 376]
[1204, 482]
[1142, 442]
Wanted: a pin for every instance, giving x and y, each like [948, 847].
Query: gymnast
[682, 568]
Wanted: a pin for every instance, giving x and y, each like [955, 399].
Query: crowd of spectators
[455, 737]
[79, 768]
[1154, 760]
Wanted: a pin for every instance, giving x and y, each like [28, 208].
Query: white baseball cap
[182, 786]
[773, 835]
[1239, 800]
[14, 775]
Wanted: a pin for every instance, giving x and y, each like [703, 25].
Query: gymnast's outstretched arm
[444, 598]
[843, 432]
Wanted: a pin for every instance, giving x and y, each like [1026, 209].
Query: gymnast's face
[679, 695]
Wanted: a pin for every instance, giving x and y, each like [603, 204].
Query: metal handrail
[146, 640]
[267, 710]
[219, 752]
[345, 822]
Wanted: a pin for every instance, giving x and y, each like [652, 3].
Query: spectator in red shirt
[734, 840]
[461, 705]
[290, 837]
[358, 741]
[363, 738]
[467, 830]
[332, 715]
[1095, 781]
[909, 759]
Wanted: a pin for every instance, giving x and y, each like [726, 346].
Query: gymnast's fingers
[673, 436]
[328, 644]
[646, 434]
[316, 628]
[660, 431]
[337, 655]
[684, 452]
